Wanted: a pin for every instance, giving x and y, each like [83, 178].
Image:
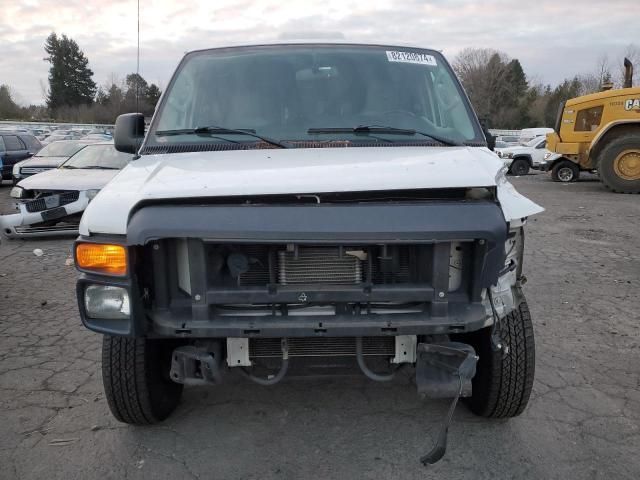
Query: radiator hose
[284, 366]
[363, 366]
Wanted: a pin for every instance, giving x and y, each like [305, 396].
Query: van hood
[290, 171]
[61, 179]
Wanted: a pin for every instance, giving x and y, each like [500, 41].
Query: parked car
[52, 202]
[15, 147]
[298, 202]
[97, 137]
[524, 157]
[63, 135]
[51, 156]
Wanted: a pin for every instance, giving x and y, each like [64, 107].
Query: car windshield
[534, 142]
[319, 93]
[104, 157]
[60, 149]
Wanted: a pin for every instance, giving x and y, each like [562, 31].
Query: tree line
[500, 91]
[72, 94]
[503, 96]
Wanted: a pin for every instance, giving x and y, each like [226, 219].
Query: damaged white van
[297, 202]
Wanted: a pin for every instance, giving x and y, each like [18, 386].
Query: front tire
[519, 167]
[565, 171]
[504, 378]
[619, 164]
[135, 374]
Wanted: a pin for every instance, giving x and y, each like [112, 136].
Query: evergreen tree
[153, 95]
[8, 107]
[136, 92]
[70, 82]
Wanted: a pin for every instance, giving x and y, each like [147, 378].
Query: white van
[528, 134]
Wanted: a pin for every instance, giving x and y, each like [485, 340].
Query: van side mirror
[491, 140]
[129, 132]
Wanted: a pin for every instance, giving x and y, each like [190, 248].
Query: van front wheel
[504, 377]
[135, 374]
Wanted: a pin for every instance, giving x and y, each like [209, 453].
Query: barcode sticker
[411, 57]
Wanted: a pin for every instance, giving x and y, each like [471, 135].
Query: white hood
[62, 179]
[286, 171]
[515, 149]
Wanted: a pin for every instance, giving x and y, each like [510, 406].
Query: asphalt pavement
[583, 421]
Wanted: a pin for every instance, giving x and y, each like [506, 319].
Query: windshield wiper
[68, 167]
[216, 130]
[366, 129]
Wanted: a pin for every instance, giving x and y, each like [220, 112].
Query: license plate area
[54, 214]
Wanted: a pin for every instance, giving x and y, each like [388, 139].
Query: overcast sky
[553, 39]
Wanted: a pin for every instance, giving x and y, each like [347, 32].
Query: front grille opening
[260, 265]
[321, 347]
[58, 200]
[254, 281]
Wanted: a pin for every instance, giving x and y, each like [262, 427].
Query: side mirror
[491, 140]
[129, 132]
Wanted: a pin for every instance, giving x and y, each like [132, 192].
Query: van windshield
[314, 93]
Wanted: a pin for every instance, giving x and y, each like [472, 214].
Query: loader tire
[135, 374]
[504, 378]
[619, 164]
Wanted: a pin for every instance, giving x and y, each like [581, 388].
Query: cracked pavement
[583, 420]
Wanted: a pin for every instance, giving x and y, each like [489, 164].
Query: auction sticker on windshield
[411, 57]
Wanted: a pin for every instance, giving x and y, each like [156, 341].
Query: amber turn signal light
[102, 258]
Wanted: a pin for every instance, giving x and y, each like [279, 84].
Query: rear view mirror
[129, 132]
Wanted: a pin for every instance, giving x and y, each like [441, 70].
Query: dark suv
[14, 147]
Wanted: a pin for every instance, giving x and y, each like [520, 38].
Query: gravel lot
[583, 421]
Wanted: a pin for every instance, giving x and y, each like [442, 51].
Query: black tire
[519, 167]
[504, 378]
[135, 374]
[565, 171]
[606, 160]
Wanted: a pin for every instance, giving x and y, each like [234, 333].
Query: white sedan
[52, 202]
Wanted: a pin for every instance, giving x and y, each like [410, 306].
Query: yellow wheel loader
[599, 132]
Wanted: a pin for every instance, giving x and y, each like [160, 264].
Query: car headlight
[107, 302]
[16, 170]
[91, 194]
[16, 192]
[509, 155]
[548, 155]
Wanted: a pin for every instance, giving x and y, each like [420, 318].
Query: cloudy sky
[553, 39]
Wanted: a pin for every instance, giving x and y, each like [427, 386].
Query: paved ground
[583, 421]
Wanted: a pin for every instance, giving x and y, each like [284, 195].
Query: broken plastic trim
[457, 360]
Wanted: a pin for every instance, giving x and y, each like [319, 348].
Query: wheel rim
[627, 165]
[565, 174]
